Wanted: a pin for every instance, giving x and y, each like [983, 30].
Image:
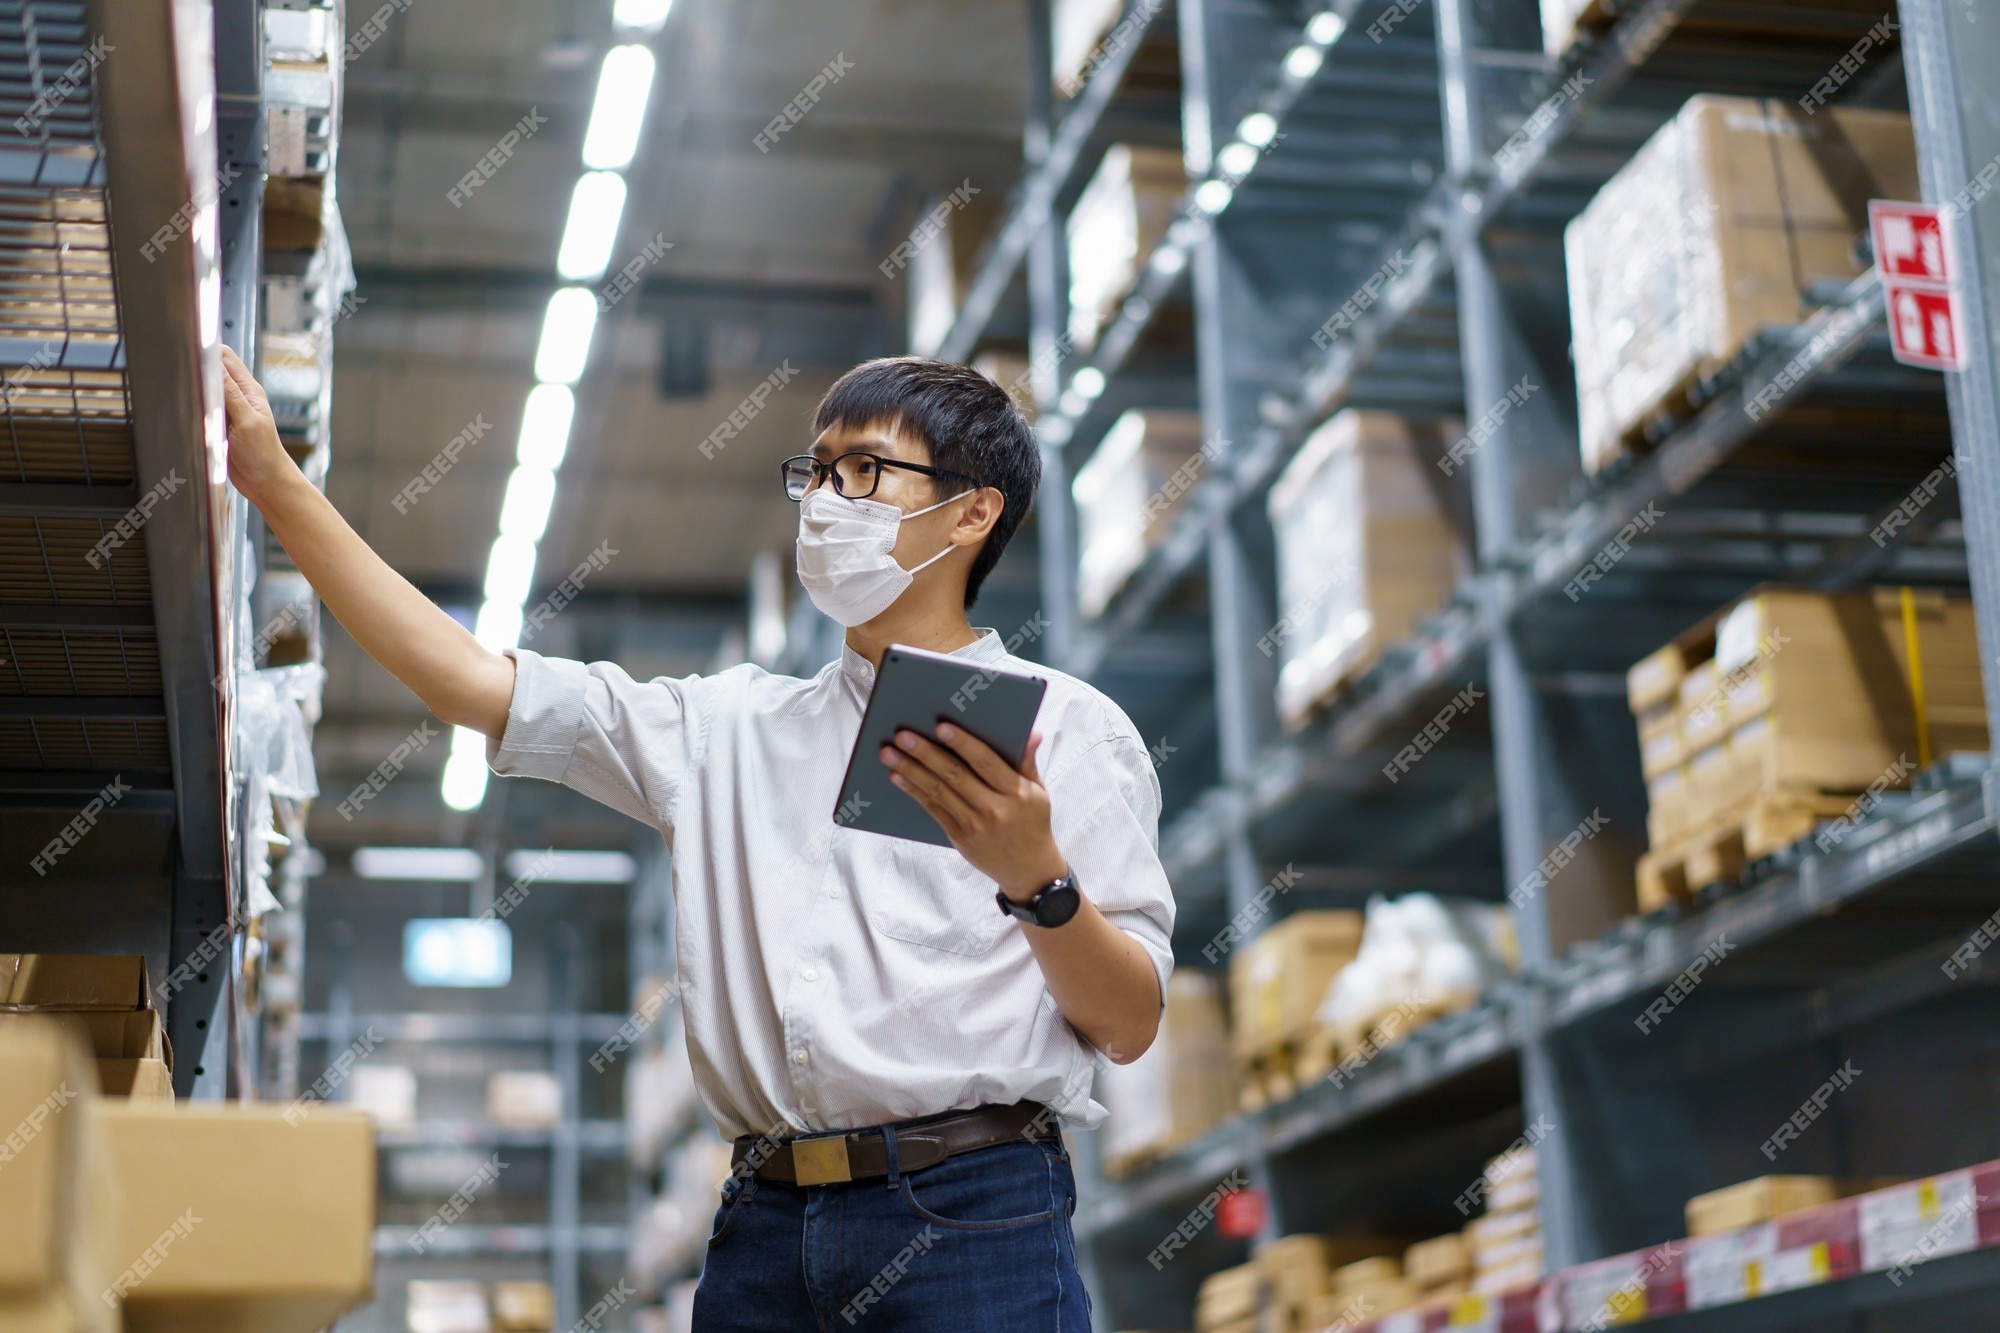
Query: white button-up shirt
[833, 978]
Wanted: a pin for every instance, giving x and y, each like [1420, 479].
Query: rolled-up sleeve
[626, 743]
[1105, 809]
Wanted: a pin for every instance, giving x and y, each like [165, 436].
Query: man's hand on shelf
[257, 458]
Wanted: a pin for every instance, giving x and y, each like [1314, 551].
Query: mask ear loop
[916, 569]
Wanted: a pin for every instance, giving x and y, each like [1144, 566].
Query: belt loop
[889, 1153]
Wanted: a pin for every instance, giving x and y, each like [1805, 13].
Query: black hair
[969, 423]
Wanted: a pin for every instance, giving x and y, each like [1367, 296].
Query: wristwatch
[1053, 904]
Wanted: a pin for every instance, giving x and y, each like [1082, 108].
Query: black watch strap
[1053, 904]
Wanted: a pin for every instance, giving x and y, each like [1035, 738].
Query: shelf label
[1903, 1226]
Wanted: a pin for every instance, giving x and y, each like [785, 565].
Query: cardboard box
[524, 1099]
[388, 1093]
[1116, 222]
[1564, 20]
[1013, 372]
[1712, 232]
[446, 1306]
[1276, 981]
[1365, 552]
[1174, 1091]
[1753, 1201]
[241, 1219]
[1797, 690]
[1127, 495]
[1435, 1262]
[524, 1307]
[130, 1047]
[1077, 29]
[57, 1198]
[1227, 1296]
[945, 244]
[73, 981]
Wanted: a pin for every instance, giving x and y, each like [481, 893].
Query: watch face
[1057, 906]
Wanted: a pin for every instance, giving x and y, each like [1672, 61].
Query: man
[891, 1031]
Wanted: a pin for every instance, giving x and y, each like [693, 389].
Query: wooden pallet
[1720, 852]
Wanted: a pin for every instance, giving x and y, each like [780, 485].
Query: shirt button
[798, 1057]
[832, 893]
[810, 974]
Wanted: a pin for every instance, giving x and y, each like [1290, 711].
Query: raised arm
[465, 683]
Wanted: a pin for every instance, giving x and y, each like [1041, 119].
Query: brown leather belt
[863, 1154]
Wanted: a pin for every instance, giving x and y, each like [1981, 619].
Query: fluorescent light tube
[595, 207]
[545, 426]
[619, 111]
[565, 345]
[445, 863]
[525, 510]
[509, 569]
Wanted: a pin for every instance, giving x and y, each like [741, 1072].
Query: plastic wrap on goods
[1716, 229]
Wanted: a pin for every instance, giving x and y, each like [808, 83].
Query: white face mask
[844, 555]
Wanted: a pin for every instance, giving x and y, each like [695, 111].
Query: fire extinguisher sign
[1913, 255]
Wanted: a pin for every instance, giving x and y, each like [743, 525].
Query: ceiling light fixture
[510, 567]
[545, 426]
[565, 344]
[619, 110]
[525, 510]
[464, 785]
[442, 863]
[641, 15]
[498, 626]
[595, 207]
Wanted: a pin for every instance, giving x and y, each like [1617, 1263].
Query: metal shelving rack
[114, 635]
[1498, 145]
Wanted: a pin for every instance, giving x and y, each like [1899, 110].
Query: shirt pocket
[933, 897]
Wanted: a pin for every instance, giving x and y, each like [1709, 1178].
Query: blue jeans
[979, 1243]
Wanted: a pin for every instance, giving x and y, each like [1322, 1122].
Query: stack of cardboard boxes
[1276, 983]
[1366, 550]
[1789, 708]
[1116, 222]
[58, 1225]
[460, 1306]
[524, 1099]
[940, 257]
[106, 1001]
[1439, 1269]
[1175, 1091]
[1305, 1283]
[1717, 229]
[1127, 496]
[192, 1219]
[1506, 1242]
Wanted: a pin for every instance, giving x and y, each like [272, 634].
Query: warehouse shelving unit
[564, 1239]
[1833, 951]
[118, 695]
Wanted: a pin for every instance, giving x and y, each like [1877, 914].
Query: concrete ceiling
[773, 263]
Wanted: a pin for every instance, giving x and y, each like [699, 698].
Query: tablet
[916, 689]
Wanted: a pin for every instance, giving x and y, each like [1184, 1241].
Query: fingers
[1029, 768]
[238, 384]
[930, 790]
[984, 761]
[948, 766]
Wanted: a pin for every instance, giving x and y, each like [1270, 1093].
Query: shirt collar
[986, 648]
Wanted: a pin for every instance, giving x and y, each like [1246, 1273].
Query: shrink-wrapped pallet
[1716, 229]
[1365, 551]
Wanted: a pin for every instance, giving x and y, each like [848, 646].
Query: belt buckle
[821, 1160]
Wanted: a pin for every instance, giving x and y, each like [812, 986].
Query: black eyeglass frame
[825, 472]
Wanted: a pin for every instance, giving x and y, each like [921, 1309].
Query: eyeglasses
[855, 476]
